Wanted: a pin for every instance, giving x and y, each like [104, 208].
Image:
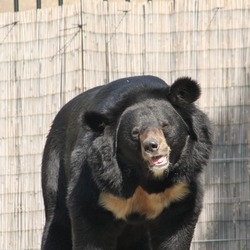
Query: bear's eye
[135, 132]
[164, 124]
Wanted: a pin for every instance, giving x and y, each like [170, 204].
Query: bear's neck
[138, 175]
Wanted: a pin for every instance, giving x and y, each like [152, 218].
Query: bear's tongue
[159, 160]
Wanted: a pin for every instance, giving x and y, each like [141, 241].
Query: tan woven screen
[50, 55]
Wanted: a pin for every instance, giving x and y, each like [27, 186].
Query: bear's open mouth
[159, 161]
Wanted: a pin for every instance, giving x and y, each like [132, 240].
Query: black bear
[121, 167]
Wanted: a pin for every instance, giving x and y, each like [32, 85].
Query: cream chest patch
[149, 205]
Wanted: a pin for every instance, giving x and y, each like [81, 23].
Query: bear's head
[148, 131]
[151, 136]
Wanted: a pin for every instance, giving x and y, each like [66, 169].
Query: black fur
[89, 150]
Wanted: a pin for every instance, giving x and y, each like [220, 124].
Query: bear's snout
[153, 141]
[155, 150]
[151, 144]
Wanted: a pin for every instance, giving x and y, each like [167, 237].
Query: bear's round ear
[184, 91]
[96, 121]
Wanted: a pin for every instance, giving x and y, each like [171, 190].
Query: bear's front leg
[173, 238]
[94, 229]
[174, 228]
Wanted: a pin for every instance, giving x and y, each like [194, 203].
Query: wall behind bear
[48, 56]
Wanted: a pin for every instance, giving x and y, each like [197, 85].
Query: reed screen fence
[48, 56]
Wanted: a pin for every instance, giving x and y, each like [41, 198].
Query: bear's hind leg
[57, 230]
[57, 233]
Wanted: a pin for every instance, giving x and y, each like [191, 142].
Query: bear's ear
[96, 121]
[184, 91]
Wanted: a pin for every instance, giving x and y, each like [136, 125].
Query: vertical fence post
[16, 5]
[82, 45]
[144, 41]
[107, 44]
[38, 4]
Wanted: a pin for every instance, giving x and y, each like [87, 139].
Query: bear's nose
[151, 145]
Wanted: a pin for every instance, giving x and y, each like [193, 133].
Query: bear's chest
[142, 203]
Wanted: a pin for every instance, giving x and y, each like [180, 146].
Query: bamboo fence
[48, 56]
